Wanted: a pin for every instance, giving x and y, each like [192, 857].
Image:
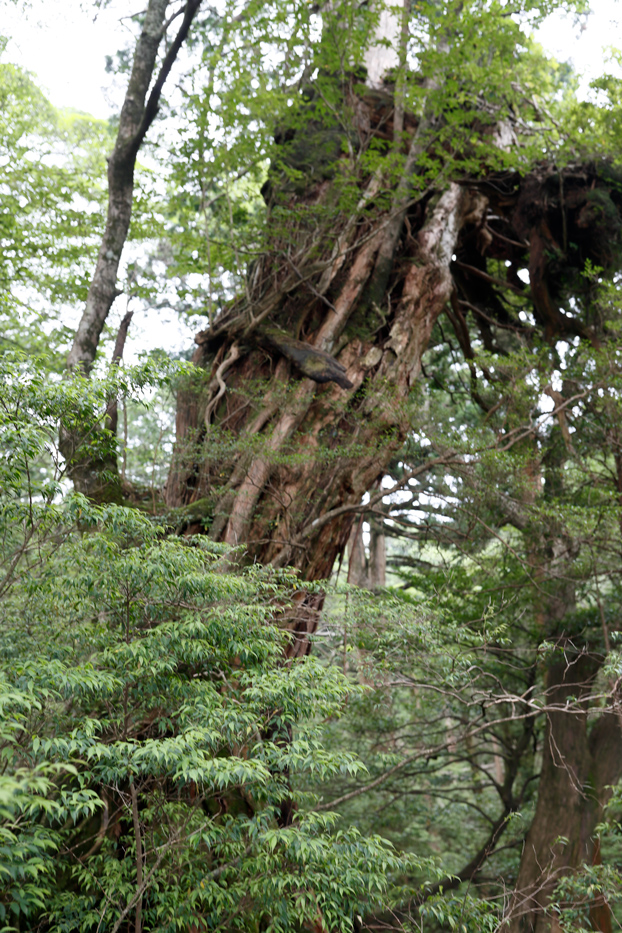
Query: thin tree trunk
[94, 476]
[117, 356]
[377, 556]
[357, 559]
[137, 115]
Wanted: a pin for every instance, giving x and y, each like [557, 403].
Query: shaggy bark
[320, 448]
[306, 393]
[341, 436]
[291, 498]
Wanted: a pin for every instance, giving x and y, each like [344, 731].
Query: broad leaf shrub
[153, 740]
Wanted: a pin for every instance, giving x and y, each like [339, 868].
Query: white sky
[65, 43]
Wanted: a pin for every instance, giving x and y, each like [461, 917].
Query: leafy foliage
[163, 767]
[152, 737]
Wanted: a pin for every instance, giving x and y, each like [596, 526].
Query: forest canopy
[313, 624]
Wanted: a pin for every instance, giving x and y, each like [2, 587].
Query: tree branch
[153, 104]
[139, 859]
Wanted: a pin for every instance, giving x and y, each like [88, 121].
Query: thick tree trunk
[577, 768]
[560, 837]
[307, 452]
[313, 450]
[578, 763]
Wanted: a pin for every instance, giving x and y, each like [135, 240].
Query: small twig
[514, 327]
[313, 290]
[139, 858]
[490, 278]
[170, 20]
[142, 887]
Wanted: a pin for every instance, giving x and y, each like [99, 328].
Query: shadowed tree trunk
[578, 762]
[577, 768]
[363, 570]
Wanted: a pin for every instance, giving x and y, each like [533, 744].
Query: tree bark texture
[92, 474]
[578, 765]
[323, 446]
[309, 377]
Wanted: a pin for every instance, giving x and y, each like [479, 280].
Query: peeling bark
[315, 448]
[382, 56]
[321, 421]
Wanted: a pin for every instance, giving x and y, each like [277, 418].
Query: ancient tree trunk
[305, 386]
[313, 449]
[307, 451]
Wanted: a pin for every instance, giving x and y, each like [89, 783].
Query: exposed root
[233, 355]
